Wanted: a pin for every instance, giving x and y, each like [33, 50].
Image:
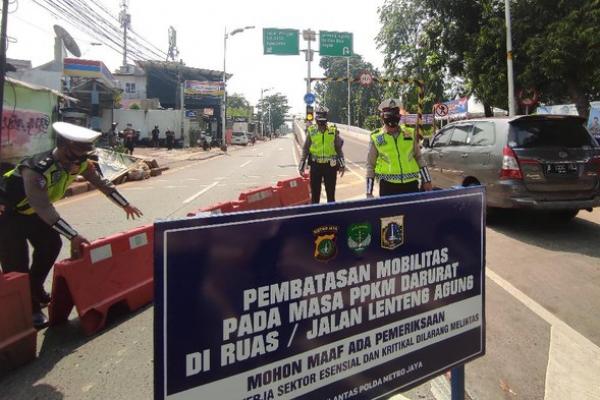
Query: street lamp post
[509, 61]
[262, 112]
[223, 116]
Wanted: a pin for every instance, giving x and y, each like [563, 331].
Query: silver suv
[546, 162]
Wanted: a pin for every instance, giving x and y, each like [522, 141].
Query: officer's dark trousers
[322, 173]
[389, 189]
[15, 232]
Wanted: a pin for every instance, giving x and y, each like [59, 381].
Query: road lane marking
[246, 163]
[206, 189]
[356, 165]
[573, 360]
[355, 173]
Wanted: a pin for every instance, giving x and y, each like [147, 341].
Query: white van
[240, 138]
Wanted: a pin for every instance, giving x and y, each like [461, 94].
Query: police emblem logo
[392, 232]
[359, 237]
[380, 139]
[325, 242]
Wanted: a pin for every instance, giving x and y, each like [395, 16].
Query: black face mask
[391, 120]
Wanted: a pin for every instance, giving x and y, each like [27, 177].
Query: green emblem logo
[325, 246]
[359, 237]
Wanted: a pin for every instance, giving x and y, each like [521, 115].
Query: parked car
[239, 138]
[544, 162]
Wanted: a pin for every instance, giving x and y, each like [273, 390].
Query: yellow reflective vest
[396, 158]
[57, 180]
[322, 144]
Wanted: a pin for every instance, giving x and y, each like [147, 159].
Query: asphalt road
[543, 285]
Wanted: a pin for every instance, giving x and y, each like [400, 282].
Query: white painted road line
[354, 173]
[356, 165]
[246, 163]
[206, 189]
[573, 360]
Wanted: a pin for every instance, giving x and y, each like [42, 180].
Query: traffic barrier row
[287, 193]
[113, 271]
[294, 192]
[18, 338]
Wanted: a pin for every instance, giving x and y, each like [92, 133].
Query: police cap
[79, 136]
[321, 113]
[389, 104]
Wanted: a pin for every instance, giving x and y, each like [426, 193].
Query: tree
[238, 106]
[334, 95]
[556, 49]
[275, 107]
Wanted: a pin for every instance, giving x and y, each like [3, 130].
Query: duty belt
[398, 177]
[322, 160]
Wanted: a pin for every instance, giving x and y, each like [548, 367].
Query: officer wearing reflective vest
[27, 214]
[323, 152]
[394, 157]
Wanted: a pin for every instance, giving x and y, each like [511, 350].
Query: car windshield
[549, 133]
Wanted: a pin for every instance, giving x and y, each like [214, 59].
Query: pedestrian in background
[170, 138]
[155, 133]
[322, 151]
[394, 156]
[129, 136]
[27, 215]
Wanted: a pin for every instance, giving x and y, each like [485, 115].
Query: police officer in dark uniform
[323, 152]
[394, 157]
[27, 214]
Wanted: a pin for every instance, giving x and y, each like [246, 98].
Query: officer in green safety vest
[27, 214]
[394, 157]
[322, 151]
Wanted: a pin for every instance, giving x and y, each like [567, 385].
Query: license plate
[562, 169]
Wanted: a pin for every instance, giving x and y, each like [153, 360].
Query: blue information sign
[309, 98]
[348, 300]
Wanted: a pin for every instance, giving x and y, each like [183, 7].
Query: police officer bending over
[323, 152]
[394, 156]
[27, 214]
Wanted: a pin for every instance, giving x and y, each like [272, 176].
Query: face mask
[391, 120]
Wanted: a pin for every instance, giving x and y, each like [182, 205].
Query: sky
[200, 27]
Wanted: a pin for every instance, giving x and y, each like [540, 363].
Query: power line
[100, 28]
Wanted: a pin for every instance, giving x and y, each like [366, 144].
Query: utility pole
[181, 97]
[3, 62]
[125, 20]
[509, 61]
[309, 36]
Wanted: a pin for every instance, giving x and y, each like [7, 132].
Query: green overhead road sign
[336, 44]
[282, 42]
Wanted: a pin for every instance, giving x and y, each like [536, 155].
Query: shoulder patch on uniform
[380, 139]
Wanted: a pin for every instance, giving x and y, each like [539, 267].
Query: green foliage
[372, 122]
[274, 107]
[238, 106]
[459, 47]
[334, 95]
[134, 106]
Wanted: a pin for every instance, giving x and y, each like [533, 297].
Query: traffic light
[310, 113]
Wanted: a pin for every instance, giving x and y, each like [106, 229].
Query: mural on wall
[24, 132]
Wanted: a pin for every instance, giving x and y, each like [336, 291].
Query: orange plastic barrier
[220, 208]
[259, 199]
[17, 335]
[294, 192]
[116, 270]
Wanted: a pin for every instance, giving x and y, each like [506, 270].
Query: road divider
[17, 335]
[113, 271]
